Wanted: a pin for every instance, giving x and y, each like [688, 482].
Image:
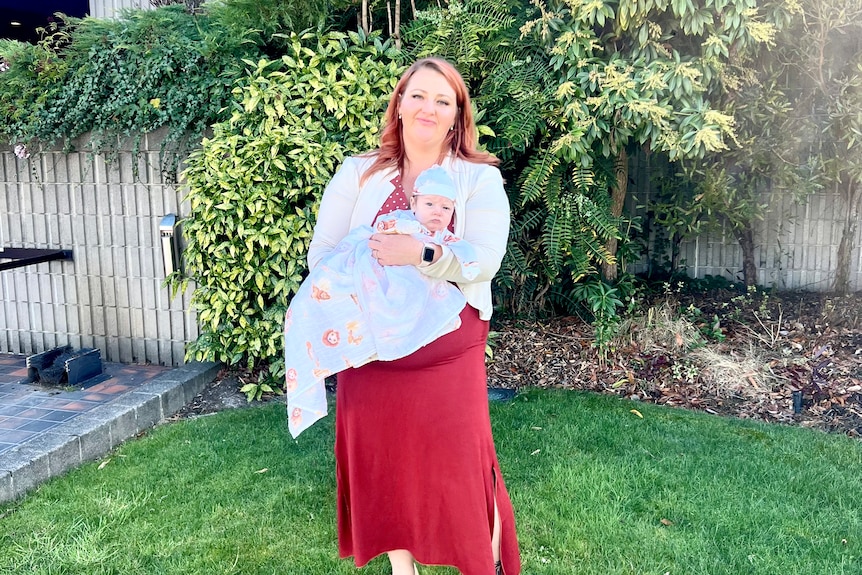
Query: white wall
[110, 296]
[108, 8]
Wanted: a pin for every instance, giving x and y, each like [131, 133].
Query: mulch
[807, 351]
[796, 359]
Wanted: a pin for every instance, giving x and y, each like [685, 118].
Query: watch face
[428, 254]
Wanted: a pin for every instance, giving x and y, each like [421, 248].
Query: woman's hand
[396, 249]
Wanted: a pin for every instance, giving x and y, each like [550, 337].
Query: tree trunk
[610, 271]
[848, 233]
[363, 18]
[397, 31]
[745, 237]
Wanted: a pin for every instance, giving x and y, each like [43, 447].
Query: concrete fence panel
[111, 295]
[796, 244]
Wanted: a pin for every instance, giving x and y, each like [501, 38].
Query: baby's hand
[408, 227]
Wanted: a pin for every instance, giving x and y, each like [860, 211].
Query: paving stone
[133, 399]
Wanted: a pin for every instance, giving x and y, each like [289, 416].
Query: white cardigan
[481, 218]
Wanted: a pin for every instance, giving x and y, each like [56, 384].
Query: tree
[822, 62]
[732, 188]
[652, 74]
[593, 81]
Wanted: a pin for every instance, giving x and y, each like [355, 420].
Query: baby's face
[433, 212]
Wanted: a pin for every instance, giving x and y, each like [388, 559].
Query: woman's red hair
[462, 140]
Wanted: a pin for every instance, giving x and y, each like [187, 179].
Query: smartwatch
[428, 253]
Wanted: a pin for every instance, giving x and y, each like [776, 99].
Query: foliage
[191, 6]
[579, 86]
[819, 63]
[671, 218]
[732, 189]
[713, 199]
[602, 300]
[565, 88]
[611, 76]
[30, 77]
[473, 34]
[255, 184]
[261, 385]
[377, 15]
[710, 328]
[266, 23]
[560, 220]
[796, 116]
[124, 77]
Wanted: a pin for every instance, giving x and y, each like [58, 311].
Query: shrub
[149, 69]
[30, 76]
[255, 185]
[264, 22]
[153, 68]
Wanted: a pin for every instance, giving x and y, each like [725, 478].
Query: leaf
[636, 412]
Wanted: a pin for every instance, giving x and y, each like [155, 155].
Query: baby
[350, 310]
[432, 207]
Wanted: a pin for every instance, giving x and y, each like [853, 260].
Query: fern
[556, 238]
[466, 33]
[536, 177]
[596, 217]
[529, 221]
[560, 201]
[515, 94]
[583, 179]
[514, 267]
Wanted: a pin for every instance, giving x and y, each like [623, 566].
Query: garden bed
[773, 346]
[763, 349]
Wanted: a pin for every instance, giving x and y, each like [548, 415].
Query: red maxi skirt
[415, 460]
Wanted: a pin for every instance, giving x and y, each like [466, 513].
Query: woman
[417, 472]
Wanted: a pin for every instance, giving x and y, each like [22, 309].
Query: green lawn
[596, 488]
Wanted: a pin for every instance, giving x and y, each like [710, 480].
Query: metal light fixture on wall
[169, 234]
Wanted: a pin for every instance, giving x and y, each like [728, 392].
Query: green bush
[255, 185]
[30, 76]
[265, 22]
[561, 215]
[147, 70]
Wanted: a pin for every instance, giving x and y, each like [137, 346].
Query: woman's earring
[399, 116]
[452, 127]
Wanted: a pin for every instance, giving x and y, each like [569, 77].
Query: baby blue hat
[435, 181]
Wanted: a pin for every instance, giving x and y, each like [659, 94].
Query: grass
[596, 488]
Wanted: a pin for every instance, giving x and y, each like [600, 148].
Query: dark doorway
[19, 19]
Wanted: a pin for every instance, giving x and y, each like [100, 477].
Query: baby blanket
[350, 310]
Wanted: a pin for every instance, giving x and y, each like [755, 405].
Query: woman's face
[428, 109]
